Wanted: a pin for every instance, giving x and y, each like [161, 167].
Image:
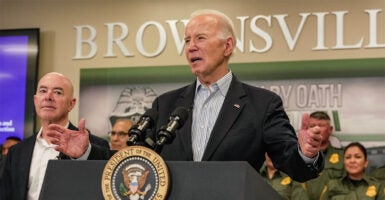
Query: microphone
[137, 131]
[166, 134]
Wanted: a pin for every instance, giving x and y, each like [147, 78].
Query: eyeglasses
[120, 133]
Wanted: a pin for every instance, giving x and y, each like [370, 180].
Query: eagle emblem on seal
[134, 179]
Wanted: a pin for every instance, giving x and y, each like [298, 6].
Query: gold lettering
[138, 151]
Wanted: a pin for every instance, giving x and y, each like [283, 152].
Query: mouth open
[195, 59]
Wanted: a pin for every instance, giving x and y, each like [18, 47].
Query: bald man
[26, 162]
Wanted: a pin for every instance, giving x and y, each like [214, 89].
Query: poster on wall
[351, 91]
[12, 87]
[19, 54]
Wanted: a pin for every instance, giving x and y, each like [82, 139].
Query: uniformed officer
[334, 167]
[355, 185]
[281, 182]
[379, 174]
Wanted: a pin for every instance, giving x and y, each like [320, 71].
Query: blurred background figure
[334, 167]
[119, 133]
[355, 184]
[281, 182]
[9, 142]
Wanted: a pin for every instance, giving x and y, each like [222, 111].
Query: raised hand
[309, 138]
[71, 143]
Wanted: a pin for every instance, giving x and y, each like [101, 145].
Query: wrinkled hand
[309, 138]
[71, 143]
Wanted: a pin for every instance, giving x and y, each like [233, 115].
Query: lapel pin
[237, 105]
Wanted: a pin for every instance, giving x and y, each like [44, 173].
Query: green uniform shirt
[368, 188]
[379, 174]
[284, 185]
[334, 169]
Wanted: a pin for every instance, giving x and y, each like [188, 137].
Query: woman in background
[355, 185]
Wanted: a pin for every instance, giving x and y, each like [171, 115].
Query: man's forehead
[205, 31]
[49, 87]
[54, 81]
[318, 121]
[55, 78]
[315, 119]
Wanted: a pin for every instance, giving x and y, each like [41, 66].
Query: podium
[68, 179]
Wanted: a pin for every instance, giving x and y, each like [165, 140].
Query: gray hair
[227, 30]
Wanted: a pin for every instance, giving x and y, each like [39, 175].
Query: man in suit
[229, 120]
[27, 161]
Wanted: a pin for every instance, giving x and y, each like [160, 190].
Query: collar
[42, 141]
[223, 84]
[365, 179]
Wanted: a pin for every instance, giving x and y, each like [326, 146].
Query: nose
[352, 160]
[48, 96]
[114, 137]
[191, 46]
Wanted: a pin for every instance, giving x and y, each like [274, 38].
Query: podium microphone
[137, 131]
[166, 134]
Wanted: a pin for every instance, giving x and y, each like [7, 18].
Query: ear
[229, 46]
[72, 104]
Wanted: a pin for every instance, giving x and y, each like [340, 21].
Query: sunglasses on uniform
[119, 133]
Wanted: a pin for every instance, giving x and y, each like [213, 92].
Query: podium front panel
[81, 180]
[75, 180]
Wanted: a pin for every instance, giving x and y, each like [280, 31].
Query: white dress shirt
[42, 153]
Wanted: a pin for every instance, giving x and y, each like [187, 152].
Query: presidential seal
[135, 173]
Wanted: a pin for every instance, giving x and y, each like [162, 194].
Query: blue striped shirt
[207, 104]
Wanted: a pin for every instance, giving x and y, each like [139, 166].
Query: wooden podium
[68, 179]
